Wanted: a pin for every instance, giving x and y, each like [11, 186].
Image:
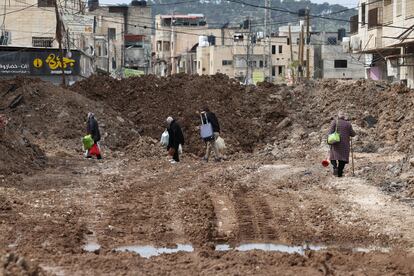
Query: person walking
[92, 128]
[339, 152]
[211, 144]
[175, 139]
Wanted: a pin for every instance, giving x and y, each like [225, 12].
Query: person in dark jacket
[92, 128]
[211, 144]
[175, 139]
[339, 152]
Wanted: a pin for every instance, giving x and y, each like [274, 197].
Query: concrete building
[333, 59]
[126, 31]
[382, 31]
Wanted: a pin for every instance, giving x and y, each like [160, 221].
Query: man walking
[175, 139]
[339, 152]
[211, 144]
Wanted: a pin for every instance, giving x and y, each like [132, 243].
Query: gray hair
[90, 115]
[341, 115]
[169, 119]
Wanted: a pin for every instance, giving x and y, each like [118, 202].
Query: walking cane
[352, 156]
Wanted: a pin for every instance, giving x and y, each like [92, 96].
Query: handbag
[87, 141]
[165, 138]
[335, 137]
[206, 129]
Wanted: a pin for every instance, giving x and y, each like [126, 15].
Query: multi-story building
[123, 35]
[383, 32]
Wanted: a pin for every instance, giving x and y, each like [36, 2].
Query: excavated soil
[61, 214]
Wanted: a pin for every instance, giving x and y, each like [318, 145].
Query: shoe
[217, 159]
[205, 159]
[88, 156]
[173, 162]
[99, 157]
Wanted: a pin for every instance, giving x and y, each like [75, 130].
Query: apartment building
[383, 32]
[123, 36]
[333, 59]
[245, 56]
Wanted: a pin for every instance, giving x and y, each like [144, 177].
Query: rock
[412, 161]
[284, 123]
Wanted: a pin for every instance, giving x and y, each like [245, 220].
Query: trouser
[212, 145]
[175, 154]
[338, 167]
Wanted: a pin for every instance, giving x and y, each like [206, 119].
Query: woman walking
[339, 152]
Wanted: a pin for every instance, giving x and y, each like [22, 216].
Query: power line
[312, 15]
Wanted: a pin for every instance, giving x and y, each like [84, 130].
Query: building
[126, 31]
[333, 59]
[28, 40]
[383, 32]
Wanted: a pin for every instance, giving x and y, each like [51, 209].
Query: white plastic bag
[180, 149]
[220, 145]
[165, 137]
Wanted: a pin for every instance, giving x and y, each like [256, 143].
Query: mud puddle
[301, 249]
[148, 251]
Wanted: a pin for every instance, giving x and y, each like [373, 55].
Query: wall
[330, 53]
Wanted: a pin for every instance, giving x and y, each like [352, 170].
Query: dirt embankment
[248, 117]
[42, 117]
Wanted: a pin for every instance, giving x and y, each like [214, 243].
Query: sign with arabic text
[38, 63]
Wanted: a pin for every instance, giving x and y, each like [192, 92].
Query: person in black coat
[211, 144]
[92, 128]
[175, 139]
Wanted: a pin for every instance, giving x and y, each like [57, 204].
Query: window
[199, 64]
[42, 41]
[341, 63]
[281, 70]
[288, 41]
[353, 28]
[226, 62]
[373, 18]
[273, 49]
[273, 71]
[45, 3]
[363, 13]
[261, 63]
[112, 33]
[280, 49]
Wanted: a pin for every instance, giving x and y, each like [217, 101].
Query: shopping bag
[95, 150]
[87, 142]
[220, 145]
[334, 138]
[180, 149]
[206, 129]
[165, 138]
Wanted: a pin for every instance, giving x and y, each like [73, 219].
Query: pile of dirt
[248, 115]
[12, 264]
[145, 148]
[45, 120]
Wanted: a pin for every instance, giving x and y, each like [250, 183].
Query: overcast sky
[346, 3]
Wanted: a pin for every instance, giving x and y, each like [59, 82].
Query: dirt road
[116, 203]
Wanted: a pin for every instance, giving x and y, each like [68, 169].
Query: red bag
[94, 150]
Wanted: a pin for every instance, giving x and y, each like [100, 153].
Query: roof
[184, 16]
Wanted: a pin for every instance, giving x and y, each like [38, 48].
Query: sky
[346, 3]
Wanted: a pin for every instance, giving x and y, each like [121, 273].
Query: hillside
[220, 12]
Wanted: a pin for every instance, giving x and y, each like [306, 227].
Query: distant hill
[219, 12]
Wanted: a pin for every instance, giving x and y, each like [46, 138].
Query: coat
[92, 128]
[340, 151]
[211, 118]
[176, 136]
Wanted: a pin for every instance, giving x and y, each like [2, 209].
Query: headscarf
[169, 119]
[91, 115]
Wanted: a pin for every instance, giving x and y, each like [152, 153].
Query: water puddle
[151, 251]
[271, 247]
[91, 247]
[301, 249]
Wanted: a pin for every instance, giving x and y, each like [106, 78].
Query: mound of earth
[248, 116]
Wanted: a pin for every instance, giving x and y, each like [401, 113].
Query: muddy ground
[70, 216]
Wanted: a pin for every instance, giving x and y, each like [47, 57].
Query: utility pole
[172, 46]
[59, 38]
[292, 70]
[307, 45]
[108, 50]
[268, 36]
